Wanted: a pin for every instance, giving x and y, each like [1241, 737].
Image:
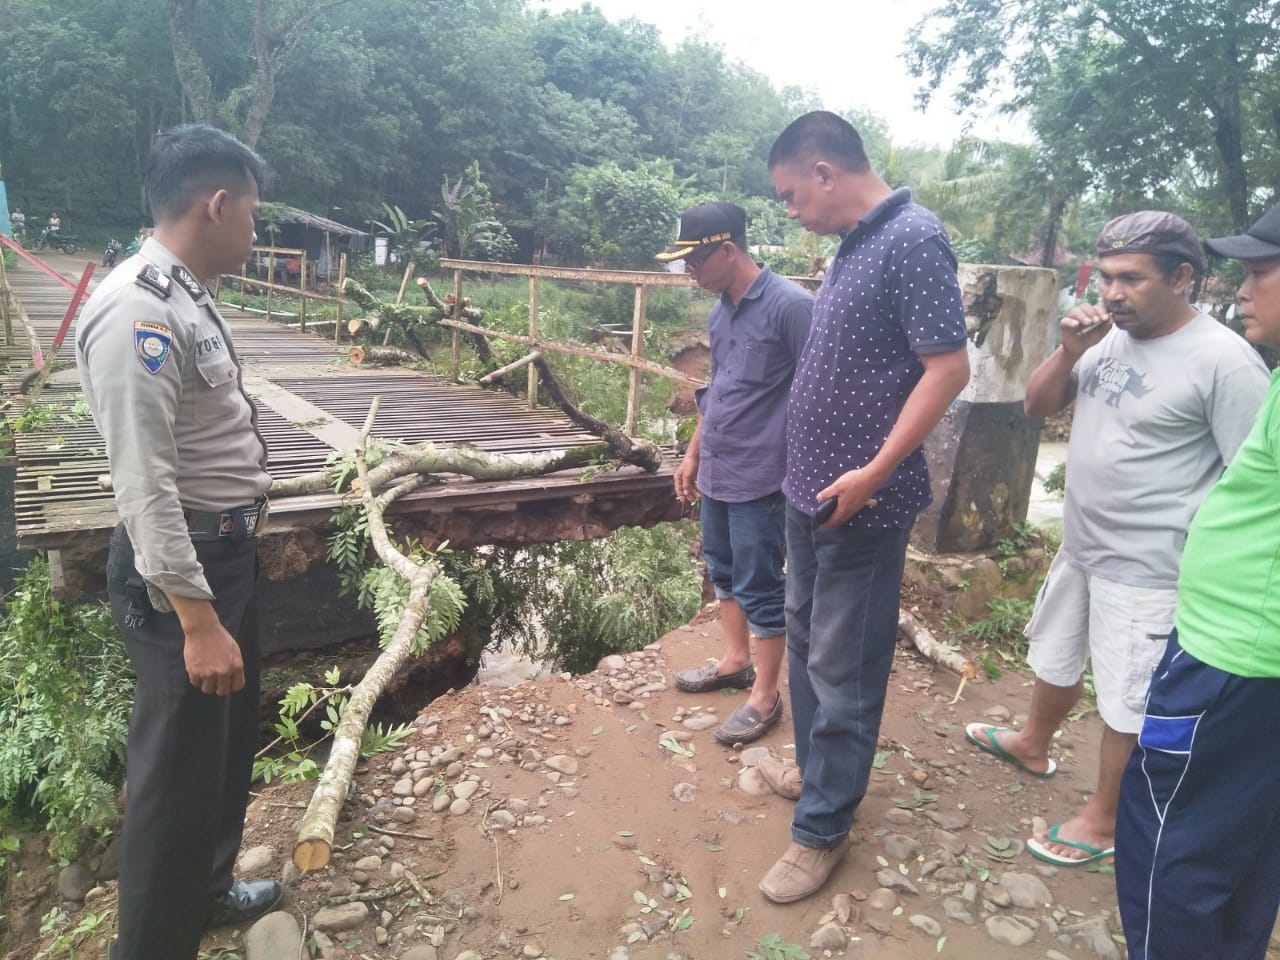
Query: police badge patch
[151, 341]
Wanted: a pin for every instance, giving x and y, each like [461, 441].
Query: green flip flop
[983, 736]
[1092, 853]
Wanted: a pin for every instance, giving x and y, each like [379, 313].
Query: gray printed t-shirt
[1155, 422]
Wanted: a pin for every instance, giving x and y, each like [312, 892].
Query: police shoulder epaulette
[188, 281]
[155, 280]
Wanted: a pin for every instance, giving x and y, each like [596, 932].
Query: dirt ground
[568, 886]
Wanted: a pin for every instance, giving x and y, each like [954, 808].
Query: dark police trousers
[190, 756]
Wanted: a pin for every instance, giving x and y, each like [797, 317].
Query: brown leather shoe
[800, 872]
[782, 776]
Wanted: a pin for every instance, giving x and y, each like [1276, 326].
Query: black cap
[1154, 232]
[1259, 242]
[703, 225]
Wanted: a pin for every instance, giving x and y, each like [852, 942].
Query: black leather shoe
[246, 901]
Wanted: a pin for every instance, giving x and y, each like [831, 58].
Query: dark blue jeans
[843, 587]
[744, 545]
[1198, 828]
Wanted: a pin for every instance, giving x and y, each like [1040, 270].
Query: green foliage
[1004, 621]
[65, 693]
[469, 217]
[1056, 481]
[406, 236]
[613, 217]
[1023, 536]
[288, 757]
[772, 947]
[67, 937]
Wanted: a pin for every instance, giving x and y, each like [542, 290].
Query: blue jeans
[843, 587]
[744, 545]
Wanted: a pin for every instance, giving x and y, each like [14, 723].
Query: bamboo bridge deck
[311, 404]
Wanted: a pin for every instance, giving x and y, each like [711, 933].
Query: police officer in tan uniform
[188, 467]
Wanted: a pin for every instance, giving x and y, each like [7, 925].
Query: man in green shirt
[1198, 831]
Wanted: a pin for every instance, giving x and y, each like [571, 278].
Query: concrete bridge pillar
[982, 455]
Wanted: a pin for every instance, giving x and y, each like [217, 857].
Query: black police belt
[237, 523]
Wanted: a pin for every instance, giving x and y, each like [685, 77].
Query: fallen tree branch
[501, 372]
[446, 308]
[461, 459]
[380, 356]
[932, 648]
[628, 449]
[314, 845]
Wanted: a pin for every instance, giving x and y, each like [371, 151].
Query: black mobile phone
[825, 509]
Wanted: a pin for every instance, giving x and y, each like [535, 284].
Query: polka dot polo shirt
[890, 295]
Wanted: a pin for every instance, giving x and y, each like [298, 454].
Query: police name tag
[151, 341]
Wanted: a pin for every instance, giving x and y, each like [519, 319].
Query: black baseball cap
[1259, 242]
[1154, 232]
[703, 225]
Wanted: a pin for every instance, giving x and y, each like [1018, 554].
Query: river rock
[274, 936]
[1026, 890]
[895, 881]
[561, 763]
[882, 899]
[901, 847]
[345, 916]
[700, 721]
[256, 860]
[466, 789]
[1094, 935]
[370, 864]
[830, 936]
[74, 881]
[1004, 929]
[925, 924]
[752, 783]
[751, 756]
[685, 792]
[949, 842]
[956, 910]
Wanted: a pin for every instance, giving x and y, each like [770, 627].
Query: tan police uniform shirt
[165, 388]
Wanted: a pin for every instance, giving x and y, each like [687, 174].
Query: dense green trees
[1167, 98]
[360, 104]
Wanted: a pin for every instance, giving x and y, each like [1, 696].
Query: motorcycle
[66, 242]
[113, 251]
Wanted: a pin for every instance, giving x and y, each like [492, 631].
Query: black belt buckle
[238, 523]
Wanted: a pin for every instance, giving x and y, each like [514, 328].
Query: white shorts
[1080, 617]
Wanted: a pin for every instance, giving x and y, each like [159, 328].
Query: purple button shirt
[754, 349]
[890, 295]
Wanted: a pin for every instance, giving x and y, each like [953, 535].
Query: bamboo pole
[4, 305]
[457, 318]
[302, 286]
[501, 372]
[404, 284]
[637, 352]
[342, 278]
[271, 281]
[533, 335]
[624, 359]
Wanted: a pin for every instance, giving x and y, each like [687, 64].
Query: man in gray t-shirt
[1164, 396]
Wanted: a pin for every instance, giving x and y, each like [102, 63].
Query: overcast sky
[849, 53]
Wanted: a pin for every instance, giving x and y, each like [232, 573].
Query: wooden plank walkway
[311, 403]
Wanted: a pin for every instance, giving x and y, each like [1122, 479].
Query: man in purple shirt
[737, 456]
[885, 359]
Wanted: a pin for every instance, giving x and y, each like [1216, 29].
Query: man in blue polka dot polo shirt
[885, 359]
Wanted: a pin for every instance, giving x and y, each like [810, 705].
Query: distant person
[1198, 835]
[188, 467]
[737, 456]
[1164, 396]
[18, 220]
[885, 359]
[55, 222]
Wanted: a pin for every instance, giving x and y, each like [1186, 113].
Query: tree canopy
[591, 133]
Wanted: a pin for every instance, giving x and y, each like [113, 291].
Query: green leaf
[640, 898]
[566, 896]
